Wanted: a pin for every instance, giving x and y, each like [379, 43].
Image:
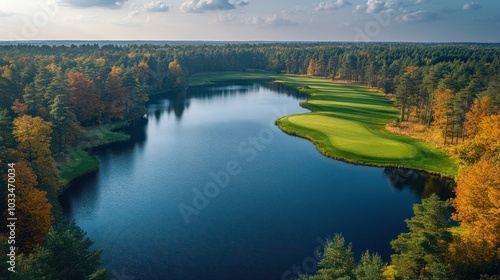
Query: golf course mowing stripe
[348, 123]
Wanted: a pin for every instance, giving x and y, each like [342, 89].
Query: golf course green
[348, 123]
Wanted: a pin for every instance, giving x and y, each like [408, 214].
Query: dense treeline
[50, 95]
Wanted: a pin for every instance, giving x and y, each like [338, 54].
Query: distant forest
[49, 95]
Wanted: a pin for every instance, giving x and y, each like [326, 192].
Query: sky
[252, 20]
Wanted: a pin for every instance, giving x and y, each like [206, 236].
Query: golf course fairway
[348, 123]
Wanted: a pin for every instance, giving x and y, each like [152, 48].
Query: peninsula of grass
[348, 123]
[78, 161]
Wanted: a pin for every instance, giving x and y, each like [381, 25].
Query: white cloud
[374, 6]
[6, 14]
[471, 6]
[416, 16]
[225, 18]
[200, 6]
[295, 11]
[271, 20]
[360, 8]
[81, 18]
[330, 6]
[110, 4]
[156, 6]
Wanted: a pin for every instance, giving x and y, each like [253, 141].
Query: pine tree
[337, 260]
[370, 267]
[66, 254]
[427, 241]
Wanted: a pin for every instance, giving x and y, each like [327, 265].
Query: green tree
[66, 128]
[66, 254]
[427, 242]
[405, 92]
[337, 260]
[370, 267]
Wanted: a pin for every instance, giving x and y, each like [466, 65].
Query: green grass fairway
[348, 123]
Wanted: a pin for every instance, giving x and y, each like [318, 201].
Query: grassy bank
[348, 123]
[77, 160]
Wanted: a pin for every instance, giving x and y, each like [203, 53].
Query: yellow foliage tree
[477, 203]
[33, 137]
[485, 143]
[478, 111]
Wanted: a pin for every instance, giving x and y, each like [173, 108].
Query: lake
[210, 188]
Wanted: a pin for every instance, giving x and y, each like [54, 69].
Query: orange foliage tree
[116, 96]
[477, 202]
[480, 109]
[32, 209]
[85, 97]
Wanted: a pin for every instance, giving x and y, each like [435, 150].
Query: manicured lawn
[348, 123]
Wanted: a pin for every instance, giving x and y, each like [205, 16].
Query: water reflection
[272, 213]
[178, 102]
[420, 183]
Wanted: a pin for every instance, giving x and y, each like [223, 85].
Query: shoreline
[79, 162]
[303, 83]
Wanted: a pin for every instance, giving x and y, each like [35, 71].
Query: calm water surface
[282, 200]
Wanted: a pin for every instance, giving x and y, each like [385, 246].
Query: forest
[448, 94]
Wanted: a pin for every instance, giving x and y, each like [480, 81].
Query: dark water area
[210, 188]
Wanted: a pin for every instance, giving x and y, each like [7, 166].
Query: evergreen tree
[370, 267]
[427, 241]
[66, 254]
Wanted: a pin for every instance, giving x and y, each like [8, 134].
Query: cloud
[6, 14]
[133, 18]
[374, 6]
[330, 6]
[359, 8]
[421, 1]
[271, 20]
[471, 6]
[295, 11]
[110, 4]
[156, 6]
[377, 6]
[416, 16]
[81, 18]
[200, 6]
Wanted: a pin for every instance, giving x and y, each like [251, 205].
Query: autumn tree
[477, 205]
[484, 145]
[480, 109]
[33, 138]
[315, 68]
[422, 251]
[32, 209]
[115, 96]
[477, 202]
[177, 76]
[85, 98]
